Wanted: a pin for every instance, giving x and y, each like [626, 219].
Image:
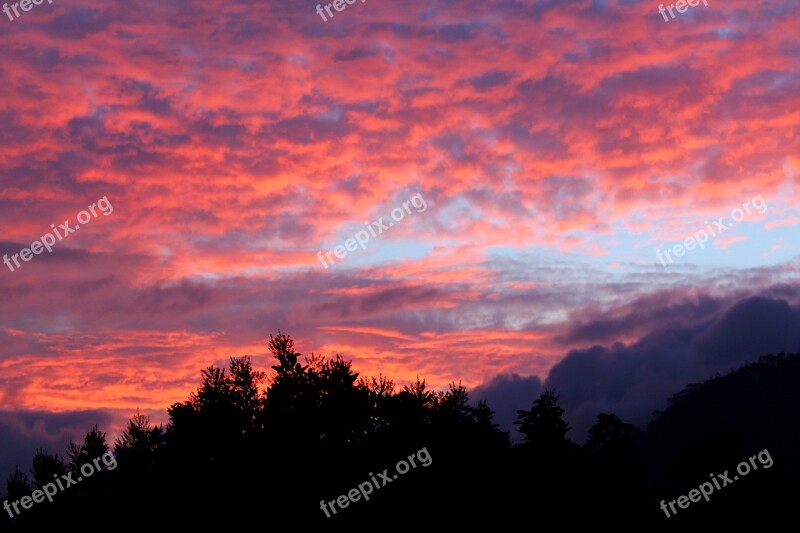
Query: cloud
[505, 394]
[237, 139]
[634, 380]
[22, 432]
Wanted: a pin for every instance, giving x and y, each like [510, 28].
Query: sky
[515, 170]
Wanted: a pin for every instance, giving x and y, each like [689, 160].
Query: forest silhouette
[255, 448]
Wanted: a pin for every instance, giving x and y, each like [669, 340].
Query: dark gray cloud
[23, 432]
[79, 22]
[634, 380]
[491, 79]
[505, 394]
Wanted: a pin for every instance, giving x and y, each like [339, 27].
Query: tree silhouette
[344, 406]
[94, 446]
[612, 473]
[319, 429]
[45, 467]
[546, 454]
[543, 427]
[610, 439]
[139, 442]
[17, 485]
[291, 399]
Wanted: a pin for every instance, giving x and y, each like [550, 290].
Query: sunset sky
[557, 146]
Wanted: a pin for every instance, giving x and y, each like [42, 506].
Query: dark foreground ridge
[234, 455]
